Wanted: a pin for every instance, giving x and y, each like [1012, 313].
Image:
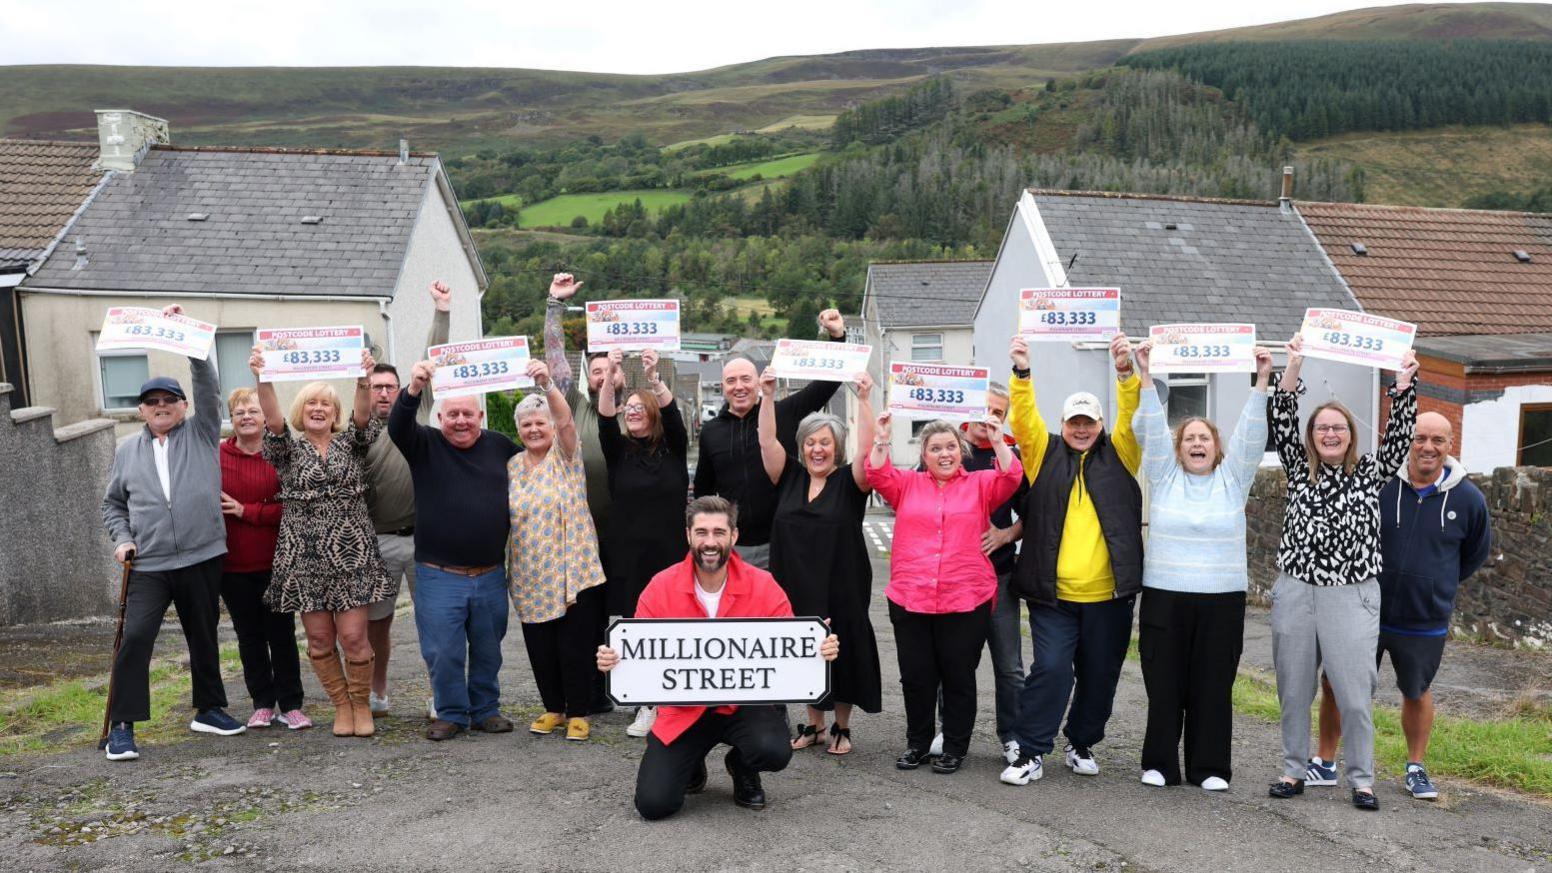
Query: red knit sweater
[251, 481]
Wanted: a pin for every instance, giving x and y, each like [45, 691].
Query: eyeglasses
[1330, 428]
[163, 400]
[634, 407]
[384, 388]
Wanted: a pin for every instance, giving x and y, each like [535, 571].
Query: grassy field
[777, 168]
[1444, 166]
[801, 122]
[559, 211]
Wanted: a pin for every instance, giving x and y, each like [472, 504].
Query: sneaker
[936, 748]
[646, 716]
[296, 720]
[1081, 760]
[261, 717]
[216, 721]
[378, 705]
[121, 743]
[1319, 774]
[1010, 751]
[1215, 783]
[1419, 784]
[1025, 770]
[1153, 777]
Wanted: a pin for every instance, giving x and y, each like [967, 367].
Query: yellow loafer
[578, 729]
[548, 723]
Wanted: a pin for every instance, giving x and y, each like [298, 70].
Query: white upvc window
[926, 347]
[119, 377]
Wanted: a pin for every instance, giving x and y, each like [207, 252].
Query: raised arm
[1285, 416]
[1397, 443]
[772, 455]
[361, 412]
[1024, 419]
[207, 391]
[1149, 425]
[402, 427]
[269, 404]
[562, 287]
[1248, 442]
[813, 396]
[882, 475]
[608, 407]
[1127, 388]
[560, 411]
[865, 427]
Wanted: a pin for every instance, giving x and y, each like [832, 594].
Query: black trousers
[196, 592]
[939, 653]
[266, 641]
[1190, 646]
[563, 654]
[758, 735]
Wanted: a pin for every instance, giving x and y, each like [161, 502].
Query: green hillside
[1445, 166]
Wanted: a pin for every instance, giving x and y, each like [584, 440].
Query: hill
[460, 110]
[1445, 166]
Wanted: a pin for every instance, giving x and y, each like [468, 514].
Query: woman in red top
[941, 584]
[266, 640]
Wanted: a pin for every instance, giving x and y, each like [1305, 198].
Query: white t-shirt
[159, 452]
[709, 599]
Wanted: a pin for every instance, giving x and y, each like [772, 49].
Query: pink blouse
[936, 565]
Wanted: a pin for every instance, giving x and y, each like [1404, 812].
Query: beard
[713, 562]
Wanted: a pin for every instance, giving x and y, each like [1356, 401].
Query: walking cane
[118, 638]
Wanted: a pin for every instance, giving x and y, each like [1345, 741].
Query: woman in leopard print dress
[326, 561]
[1326, 601]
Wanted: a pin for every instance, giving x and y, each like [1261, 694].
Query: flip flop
[838, 733]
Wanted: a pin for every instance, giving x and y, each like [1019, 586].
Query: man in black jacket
[730, 466]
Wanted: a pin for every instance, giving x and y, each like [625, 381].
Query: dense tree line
[1312, 89]
[881, 121]
[1538, 200]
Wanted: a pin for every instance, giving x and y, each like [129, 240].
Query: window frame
[918, 345]
[1519, 445]
[1189, 380]
[252, 334]
[100, 385]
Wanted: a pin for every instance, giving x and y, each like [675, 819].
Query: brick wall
[1509, 600]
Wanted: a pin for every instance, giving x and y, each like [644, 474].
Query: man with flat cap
[163, 510]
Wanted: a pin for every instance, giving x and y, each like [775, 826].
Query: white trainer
[1023, 771]
[378, 705]
[1214, 783]
[1010, 752]
[1153, 777]
[1081, 760]
[936, 749]
[646, 716]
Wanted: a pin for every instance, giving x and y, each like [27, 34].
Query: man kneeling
[711, 582]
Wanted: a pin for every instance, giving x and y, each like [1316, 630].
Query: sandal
[838, 733]
[808, 735]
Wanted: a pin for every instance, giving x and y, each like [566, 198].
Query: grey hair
[529, 405]
[933, 428]
[814, 422]
[997, 389]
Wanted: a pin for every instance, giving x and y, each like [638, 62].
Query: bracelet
[1021, 372]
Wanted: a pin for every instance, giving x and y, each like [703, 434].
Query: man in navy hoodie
[1435, 531]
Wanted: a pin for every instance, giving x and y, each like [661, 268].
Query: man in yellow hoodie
[1081, 563]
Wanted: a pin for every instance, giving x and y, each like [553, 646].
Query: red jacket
[251, 481]
[749, 593]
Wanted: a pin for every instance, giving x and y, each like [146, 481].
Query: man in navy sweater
[1435, 531]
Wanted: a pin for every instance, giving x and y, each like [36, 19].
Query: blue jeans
[461, 621]
[1075, 643]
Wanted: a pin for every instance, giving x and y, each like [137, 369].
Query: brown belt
[463, 571]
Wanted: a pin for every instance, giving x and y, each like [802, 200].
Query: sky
[615, 36]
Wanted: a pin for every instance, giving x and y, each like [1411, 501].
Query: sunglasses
[162, 400]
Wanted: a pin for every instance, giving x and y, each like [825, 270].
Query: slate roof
[42, 184]
[1451, 271]
[1491, 353]
[138, 236]
[926, 293]
[1193, 259]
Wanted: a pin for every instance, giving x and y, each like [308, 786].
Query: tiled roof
[1191, 259]
[138, 235]
[927, 293]
[1491, 352]
[1451, 271]
[42, 184]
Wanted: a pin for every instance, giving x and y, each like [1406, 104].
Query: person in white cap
[1080, 567]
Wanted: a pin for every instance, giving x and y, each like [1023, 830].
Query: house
[244, 238]
[1175, 259]
[924, 312]
[1478, 284]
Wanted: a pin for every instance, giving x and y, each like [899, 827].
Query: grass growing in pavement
[70, 713]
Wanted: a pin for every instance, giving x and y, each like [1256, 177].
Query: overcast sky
[620, 36]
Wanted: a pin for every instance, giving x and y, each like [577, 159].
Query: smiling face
[942, 457]
[537, 431]
[247, 420]
[818, 452]
[1197, 448]
[1432, 441]
[740, 386]
[162, 411]
[461, 419]
[1331, 435]
[385, 390]
[1080, 432]
[711, 539]
[319, 415]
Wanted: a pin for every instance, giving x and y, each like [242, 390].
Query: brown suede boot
[358, 681]
[332, 677]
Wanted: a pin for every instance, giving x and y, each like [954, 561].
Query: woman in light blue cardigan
[1192, 618]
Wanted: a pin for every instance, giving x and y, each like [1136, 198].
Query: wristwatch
[1021, 372]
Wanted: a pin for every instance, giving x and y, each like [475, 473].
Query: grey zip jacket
[182, 532]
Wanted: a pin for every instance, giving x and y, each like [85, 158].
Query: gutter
[195, 295]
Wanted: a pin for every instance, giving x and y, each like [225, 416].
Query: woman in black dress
[649, 481]
[819, 556]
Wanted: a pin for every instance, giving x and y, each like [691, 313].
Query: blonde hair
[1180, 434]
[240, 395]
[309, 392]
[1350, 459]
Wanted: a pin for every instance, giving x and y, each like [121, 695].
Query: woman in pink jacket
[941, 585]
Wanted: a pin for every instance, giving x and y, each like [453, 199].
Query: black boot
[747, 791]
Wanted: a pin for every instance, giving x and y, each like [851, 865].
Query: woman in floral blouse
[552, 558]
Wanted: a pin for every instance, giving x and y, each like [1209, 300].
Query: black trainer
[1283, 789]
[910, 759]
[747, 791]
[1365, 800]
[946, 763]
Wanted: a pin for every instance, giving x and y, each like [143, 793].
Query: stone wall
[1509, 600]
[55, 559]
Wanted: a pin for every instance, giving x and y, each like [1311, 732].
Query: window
[1535, 435]
[916, 428]
[121, 375]
[1187, 397]
[231, 351]
[927, 347]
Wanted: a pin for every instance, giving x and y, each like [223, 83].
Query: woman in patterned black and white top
[1326, 601]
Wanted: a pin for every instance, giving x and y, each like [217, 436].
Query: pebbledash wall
[55, 560]
[1508, 601]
